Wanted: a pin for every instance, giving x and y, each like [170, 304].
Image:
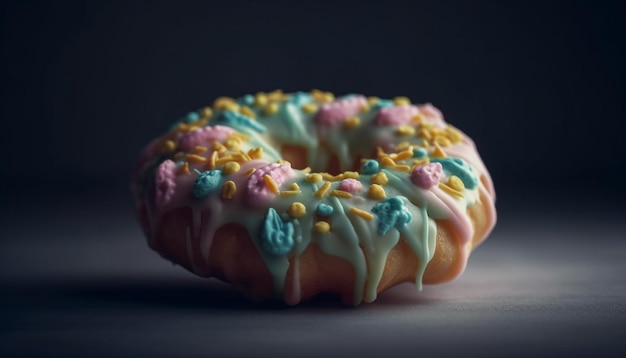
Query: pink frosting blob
[204, 135]
[165, 183]
[427, 176]
[396, 115]
[337, 112]
[350, 185]
[258, 193]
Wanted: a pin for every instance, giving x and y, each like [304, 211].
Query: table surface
[83, 283]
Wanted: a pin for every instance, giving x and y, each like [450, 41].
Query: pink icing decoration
[337, 112]
[204, 135]
[350, 185]
[396, 115]
[427, 176]
[164, 183]
[258, 193]
[432, 114]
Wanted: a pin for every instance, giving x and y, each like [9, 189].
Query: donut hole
[297, 155]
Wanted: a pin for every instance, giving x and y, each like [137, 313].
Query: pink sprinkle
[350, 185]
[258, 193]
[204, 135]
[396, 115]
[427, 176]
[337, 112]
[164, 183]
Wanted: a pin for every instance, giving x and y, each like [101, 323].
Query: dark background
[539, 85]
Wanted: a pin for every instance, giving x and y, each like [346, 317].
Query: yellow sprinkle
[231, 167]
[306, 170]
[225, 103]
[364, 108]
[401, 101]
[260, 99]
[376, 191]
[418, 118]
[169, 146]
[239, 135]
[438, 152]
[199, 149]
[350, 175]
[296, 210]
[322, 227]
[229, 189]
[322, 191]
[341, 194]
[352, 122]
[270, 109]
[218, 147]
[329, 97]
[277, 96]
[246, 111]
[456, 183]
[372, 100]
[309, 108]
[182, 127]
[442, 141]
[207, 112]
[388, 162]
[450, 191]
[250, 171]
[194, 158]
[255, 153]
[294, 186]
[314, 178]
[184, 169]
[402, 168]
[402, 146]
[422, 161]
[424, 133]
[270, 184]
[212, 160]
[290, 192]
[362, 213]
[241, 157]
[380, 178]
[225, 159]
[233, 142]
[425, 143]
[404, 155]
[322, 96]
[405, 130]
[454, 134]
[178, 156]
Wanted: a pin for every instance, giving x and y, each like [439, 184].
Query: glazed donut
[290, 195]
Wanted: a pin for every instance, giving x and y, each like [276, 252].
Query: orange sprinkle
[194, 158]
[341, 194]
[290, 192]
[199, 149]
[361, 213]
[250, 171]
[322, 191]
[438, 152]
[217, 146]
[270, 184]
[255, 153]
[350, 175]
[388, 162]
[184, 169]
[442, 141]
[450, 191]
[212, 160]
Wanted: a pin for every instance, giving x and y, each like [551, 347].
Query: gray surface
[83, 283]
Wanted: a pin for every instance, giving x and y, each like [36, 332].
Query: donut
[290, 195]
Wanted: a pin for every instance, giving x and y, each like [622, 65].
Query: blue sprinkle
[191, 117]
[248, 100]
[276, 235]
[419, 153]
[461, 169]
[325, 209]
[370, 167]
[231, 118]
[206, 182]
[391, 213]
[383, 103]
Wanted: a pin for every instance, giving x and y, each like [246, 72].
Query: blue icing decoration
[231, 118]
[461, 169]
[300, 98]
[324, 209]
[370, 167]
[276, 234]
[391, 212]
[247, 100]
[419, 153]
[383, 103]
[207, 181]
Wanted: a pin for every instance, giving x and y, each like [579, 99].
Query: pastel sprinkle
[314, 178]
[168, 146]
[461, 169]
[324, 209]
[370, 167]
[322, 227]
[401, 101]
[194, 158]
[352, 122]
[376, 192]
[270, 184]
[438, 152]
[296, 210]
[405, 130]
[271, 109]
[341, 194]
[322, 191]
[427, 176]
[199, 149]
[419, 153]
[276, 235]
[255, 153]
[231, 167]
[309, 108]
[228, 190]
[455, 183]
[260, 99]
[184, 168]
[207, 182]
[450, 190]
[361, 213]
[380, 178]
[350, 185]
